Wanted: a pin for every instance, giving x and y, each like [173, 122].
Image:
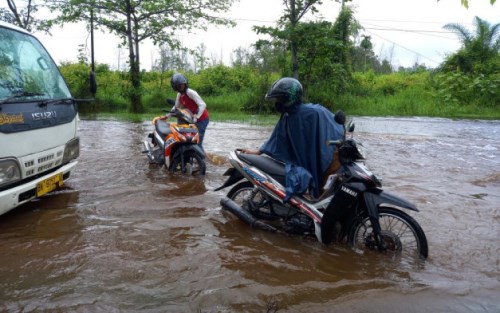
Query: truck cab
[39, 141]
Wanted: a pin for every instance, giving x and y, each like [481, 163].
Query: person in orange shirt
[191, 100]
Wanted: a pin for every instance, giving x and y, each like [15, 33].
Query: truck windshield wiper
[57, 101]
[20, 94]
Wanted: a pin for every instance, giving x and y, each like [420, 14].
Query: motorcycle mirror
[350, 127]
[171, 101]
[340, 117]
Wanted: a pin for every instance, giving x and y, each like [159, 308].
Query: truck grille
[41, 162]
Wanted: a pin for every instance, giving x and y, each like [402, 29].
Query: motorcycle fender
[184, 148]
[234, 177]
[177, 154]
[376, 197]
[197, 149]
[342, 203]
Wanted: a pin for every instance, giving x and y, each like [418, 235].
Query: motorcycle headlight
[71, 150]
[10, 172]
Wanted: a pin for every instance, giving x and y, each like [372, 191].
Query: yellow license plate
[49, 184]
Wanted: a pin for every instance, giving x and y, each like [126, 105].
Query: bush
[241, 90]
[77, 77]
[456, 88]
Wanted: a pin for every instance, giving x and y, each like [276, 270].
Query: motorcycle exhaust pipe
[152, 156]
[244, 215]
[145, 147]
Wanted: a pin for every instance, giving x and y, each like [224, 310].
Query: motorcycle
[352, 208]
[175, 145]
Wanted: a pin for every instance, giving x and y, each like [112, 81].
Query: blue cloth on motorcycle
[297, 180]
[301, 138]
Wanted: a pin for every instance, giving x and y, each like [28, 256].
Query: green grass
[372, 109]
[406, 102]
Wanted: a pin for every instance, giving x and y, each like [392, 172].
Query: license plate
[49, 184]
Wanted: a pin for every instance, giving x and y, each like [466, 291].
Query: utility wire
[430, 33]
[408, 49]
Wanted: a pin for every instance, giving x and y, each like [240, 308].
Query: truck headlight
[71, 150]
[10, 172]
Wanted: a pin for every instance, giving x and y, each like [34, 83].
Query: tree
[239, 57]
[200, 59]
[324, 55]
[367, 46]
[470, 76]
[478, 48]
[343, 2]
[345, 27]
[317, 41]
[287, 25]
[24, 17]
[269, 56]
[135, 21]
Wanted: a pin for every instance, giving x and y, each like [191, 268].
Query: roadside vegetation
[237, 93]
[339, 72]
[334, 61]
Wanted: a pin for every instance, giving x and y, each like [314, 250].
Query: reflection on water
[127, 236]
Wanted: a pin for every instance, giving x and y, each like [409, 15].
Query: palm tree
[478, 49]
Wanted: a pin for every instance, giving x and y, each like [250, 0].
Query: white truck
[39, 140]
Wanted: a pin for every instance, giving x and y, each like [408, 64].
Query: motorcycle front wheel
[193, 164]
[401, 234]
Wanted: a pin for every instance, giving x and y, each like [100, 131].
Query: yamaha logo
[349, 191]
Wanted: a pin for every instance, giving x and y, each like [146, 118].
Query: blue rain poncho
[300, 138]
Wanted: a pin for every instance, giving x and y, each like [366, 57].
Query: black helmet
[285, 93]
[178, 79]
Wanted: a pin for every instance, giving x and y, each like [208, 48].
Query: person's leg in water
[202, 127]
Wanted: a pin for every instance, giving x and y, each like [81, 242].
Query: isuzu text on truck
[39, 142]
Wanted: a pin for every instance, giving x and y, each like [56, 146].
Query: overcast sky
[403, 31]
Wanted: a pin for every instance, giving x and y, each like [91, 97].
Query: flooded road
[126, 236]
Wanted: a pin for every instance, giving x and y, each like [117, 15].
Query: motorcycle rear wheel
[243, 192]
[240, 192]
[193, 164]
[401, 234]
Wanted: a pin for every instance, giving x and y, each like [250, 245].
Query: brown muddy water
[126, 236]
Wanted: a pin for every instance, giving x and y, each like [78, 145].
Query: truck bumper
[14, 197]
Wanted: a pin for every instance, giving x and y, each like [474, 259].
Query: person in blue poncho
[300, 137]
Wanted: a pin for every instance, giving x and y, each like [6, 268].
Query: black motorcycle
[353, 207]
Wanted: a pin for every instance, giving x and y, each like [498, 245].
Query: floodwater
[126, 236]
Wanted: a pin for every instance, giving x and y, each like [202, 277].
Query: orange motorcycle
[175, 145]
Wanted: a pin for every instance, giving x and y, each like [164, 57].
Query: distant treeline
[336, 71]
[241, 89]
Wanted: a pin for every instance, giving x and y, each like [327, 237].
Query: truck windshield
[26, 70]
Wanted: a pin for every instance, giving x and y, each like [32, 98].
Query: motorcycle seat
[187, 130]
[163, 128]
[274, 168]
